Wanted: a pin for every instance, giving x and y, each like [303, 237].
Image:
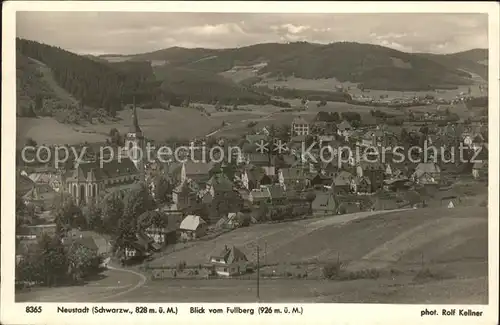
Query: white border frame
[14, 313]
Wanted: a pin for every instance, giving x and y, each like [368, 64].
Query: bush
[428, 275]
[331, 270]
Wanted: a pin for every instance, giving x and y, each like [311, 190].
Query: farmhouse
[361, 185]
[480, 170]
[300, 126]
[427, 174]
[193, 227]
[46, 176]
[342, 182]
[324, 204]
[41, 196]
[374, 171]
[23, 184]
[229, 262]
[261, 196]
[34, 232]
[344, 128]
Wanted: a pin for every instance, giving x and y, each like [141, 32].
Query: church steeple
[134, 127]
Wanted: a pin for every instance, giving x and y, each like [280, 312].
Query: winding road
[108, 286]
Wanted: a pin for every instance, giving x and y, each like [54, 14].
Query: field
[156, 124]
[451, 244]
[395, 237]
[330, 83]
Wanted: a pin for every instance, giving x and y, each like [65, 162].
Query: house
[23, 184]
[321, 179]
[193, 227]
[246, 197]
[257, 177]
[256, 138]
[342, 182]
[261, 196]
[35, 232]
[361, 185]
[278, 194]
[450, 201]
[42, 196]
[324, 204]
[374, 171]
[427, 174]
[260, 159]
[164, 233]
[81, 240]
[300, 126]
[413, 199]
[46, 176]
[396, 183]
[348, 207]
[380, 203]
[229, 262]
[344, 129]
[198, 172]
[133, 251]
[231, 221]
[480, 170]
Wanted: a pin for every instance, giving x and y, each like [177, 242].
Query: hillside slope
[376, 67]
[473, 61]
[37, 90]
[382, 240]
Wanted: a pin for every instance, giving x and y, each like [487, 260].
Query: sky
[139, 32]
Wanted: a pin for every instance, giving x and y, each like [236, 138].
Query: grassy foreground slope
[366, 240]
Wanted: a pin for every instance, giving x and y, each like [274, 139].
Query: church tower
[135, 144]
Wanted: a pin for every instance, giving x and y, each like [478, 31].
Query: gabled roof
[260, 158]
[365, 165]
[115, 168]
[299, 120]
[220, 183]
[324, 199]
[342, 178]
[427, 168]
[198, 168]
[231, 255]
[361, 179]
[191, 222]
[23, 184]
[261, 193]
[277, 192]
[85, 241]
[298, 139]
[344, 125]
[253, 138]
[40, 192]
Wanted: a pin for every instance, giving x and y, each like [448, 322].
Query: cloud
[211, 30]
[135, 32]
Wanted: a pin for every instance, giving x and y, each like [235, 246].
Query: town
[289, 171]
[146, 207]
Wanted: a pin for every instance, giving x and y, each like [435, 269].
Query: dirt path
[112, 284]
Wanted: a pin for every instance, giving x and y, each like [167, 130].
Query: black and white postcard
[270, 162]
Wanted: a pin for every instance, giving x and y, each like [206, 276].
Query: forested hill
[92, 83]
[374, 66]
[51, 80]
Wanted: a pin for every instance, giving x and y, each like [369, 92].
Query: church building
[90, 178]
